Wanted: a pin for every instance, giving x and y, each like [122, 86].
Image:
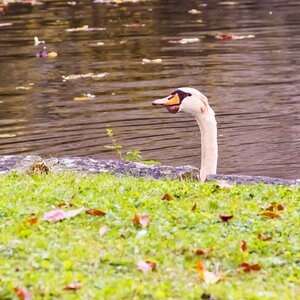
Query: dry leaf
[73, 286]
[228, 37]
[225, 217]
[204, 252]
[22, 294]
[248, 268]
[167, 197]
[269, 214]
[141, 220]
[146, 266]
[205, 275]
[95, 212]
[32, 221]
[264, 237]
[64, 204]
[59, 214]
[103, 230]
[275, 206]
[243, 246]
[194, 207]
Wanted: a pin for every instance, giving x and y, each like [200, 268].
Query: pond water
[253, 84]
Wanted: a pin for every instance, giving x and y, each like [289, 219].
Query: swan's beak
[167, 101]
[172, 103]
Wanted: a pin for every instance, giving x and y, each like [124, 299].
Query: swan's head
[184, 99]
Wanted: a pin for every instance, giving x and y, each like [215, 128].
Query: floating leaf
[7, 135]
[269, 214]
[22, 294]
[146, 266]
[204, 252]
[85, 28]
[80, 76]
[185, 41]
[228, 37]
[205, 275]
[52, 54]
[248, 268]
[103, 230]
[95, 212]
[225, 217]
[73, 286]
[135, 25]
[264, 237]
[243, 246]
[84, 97]
[141, 220]
[194, 11]
[153, 61]
[167, 197]
[59, 214]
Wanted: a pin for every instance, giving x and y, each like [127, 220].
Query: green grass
[43, 258]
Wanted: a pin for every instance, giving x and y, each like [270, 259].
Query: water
[253, 84]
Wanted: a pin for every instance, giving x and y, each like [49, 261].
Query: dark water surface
[253, 84]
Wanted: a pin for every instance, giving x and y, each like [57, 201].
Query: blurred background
[105, 62]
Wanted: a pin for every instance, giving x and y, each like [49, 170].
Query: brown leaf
[225, 217]
[205, 275]
[64, 204]
[263, 237]
[146, 266]
[141, 220]
[32, 221]
[103, 230]
[22, 294]
[59, 214]
[248, 268]
[73, 286]
[167, 197]
[194, 207]
[269, 214]
[243, 246]
[275, 206]
[204, 252]
[95, 212]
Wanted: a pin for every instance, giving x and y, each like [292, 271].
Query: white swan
[193, 102]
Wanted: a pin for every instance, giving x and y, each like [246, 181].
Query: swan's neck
[209, 145]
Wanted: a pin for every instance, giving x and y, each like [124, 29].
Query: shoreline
[9, 163]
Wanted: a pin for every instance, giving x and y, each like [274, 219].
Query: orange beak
[167, 101]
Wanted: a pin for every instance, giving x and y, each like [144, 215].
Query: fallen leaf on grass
[73, 286]
[146, 266]
[204, 252]
[194, 207]
[275, 206]
[225, 217]
[60, 214]
[22, 294]
[64, 204]
[243, 246]
[103, 230]
[205, 275]
[248, 268]
[142, 220]
[167, 197]
[264, 237]
[32, 221]
[95, 212]
[269, 214]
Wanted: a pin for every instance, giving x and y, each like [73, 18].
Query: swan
[193, 102]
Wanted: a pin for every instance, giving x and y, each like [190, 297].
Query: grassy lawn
[45, 257]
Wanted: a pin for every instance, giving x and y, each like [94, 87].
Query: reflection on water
[252, 84]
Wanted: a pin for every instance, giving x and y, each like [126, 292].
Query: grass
[44, 258]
